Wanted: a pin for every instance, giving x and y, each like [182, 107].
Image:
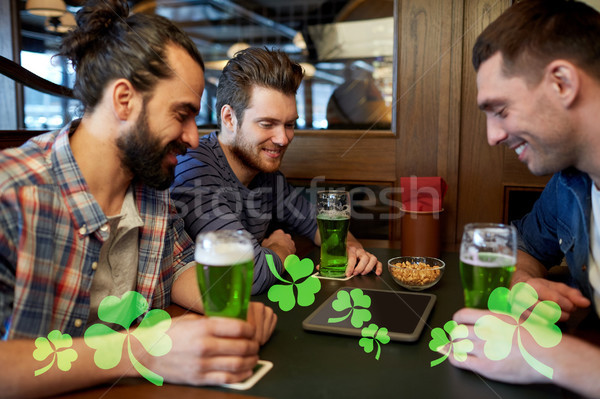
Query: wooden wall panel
[480, 189]
[369, 158]
[429, 95]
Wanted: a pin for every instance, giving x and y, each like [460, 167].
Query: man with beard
[85, 215]
[538, 81]
[232, 180]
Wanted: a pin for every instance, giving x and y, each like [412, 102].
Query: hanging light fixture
[61, 24]
[46, 8]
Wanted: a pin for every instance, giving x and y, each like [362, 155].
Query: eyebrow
[187, 107]
[489, 105]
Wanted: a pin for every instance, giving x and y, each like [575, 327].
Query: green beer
[225, 272]
[483, 275]
[334, 231]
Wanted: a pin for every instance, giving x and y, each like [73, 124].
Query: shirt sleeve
[206, 204]
[292, 210]
[537, 231]
[8, 261]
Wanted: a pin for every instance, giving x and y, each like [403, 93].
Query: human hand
[569, 299]
[513, 368]
[263, 319]
[281, 243]
[361, 261]
[207, 351]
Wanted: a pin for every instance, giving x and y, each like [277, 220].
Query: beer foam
[498, 260]
[224, 254]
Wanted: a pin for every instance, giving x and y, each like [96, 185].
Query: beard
[250, 155]
[141, 154]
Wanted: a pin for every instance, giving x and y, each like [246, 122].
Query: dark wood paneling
[480, 189]
[351, 157]
[429, 95]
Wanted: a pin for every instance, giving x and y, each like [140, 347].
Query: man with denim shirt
[538, 80]
[85, 214]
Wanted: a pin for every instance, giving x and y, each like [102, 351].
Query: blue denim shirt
[559, 226]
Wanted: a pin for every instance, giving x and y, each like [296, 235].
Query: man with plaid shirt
[85, 214]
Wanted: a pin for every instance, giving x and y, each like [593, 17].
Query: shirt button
[78, 323]
[584, 268]
[104, 228]
[560, 241]
[94, 265]
[83, 230]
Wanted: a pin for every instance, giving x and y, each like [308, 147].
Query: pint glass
[333, 219]
[224, 267]
[488, 254]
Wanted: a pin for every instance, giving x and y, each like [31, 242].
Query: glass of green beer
[488, 254]
[224, 268]
[333, 219]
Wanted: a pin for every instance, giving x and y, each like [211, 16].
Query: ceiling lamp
[46, 8]
[61, 24]
[239, 46]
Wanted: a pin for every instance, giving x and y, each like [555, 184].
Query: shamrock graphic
[151, 333]
[360, 314]
[298, 270]
[540, 324]
[374, 334]
[61, 353]
[460, 347]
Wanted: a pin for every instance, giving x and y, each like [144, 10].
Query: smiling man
[538, 81]
[232, 180]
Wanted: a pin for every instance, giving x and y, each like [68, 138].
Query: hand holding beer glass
[225, 267]
[488, 254]
[333, 219]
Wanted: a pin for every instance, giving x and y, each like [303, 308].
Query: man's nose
[283, 136]
[495, 133]
[190, 134]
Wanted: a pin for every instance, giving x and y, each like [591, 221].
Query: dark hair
[271, 69]
[532, 33]
[109, 44]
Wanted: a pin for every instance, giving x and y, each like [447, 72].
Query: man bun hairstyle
[254, 66]
[110, 44]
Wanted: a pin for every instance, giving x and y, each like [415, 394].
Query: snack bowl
[416, 273]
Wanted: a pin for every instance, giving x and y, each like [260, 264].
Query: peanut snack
[415, 273]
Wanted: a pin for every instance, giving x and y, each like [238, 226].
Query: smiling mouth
[519, 149]
[273, 153]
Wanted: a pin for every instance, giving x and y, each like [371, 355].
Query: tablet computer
[403, 313]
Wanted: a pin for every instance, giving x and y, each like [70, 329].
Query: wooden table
[319, 365]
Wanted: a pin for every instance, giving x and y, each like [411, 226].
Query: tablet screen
[403, 313]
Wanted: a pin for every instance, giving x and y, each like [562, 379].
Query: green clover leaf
[373, 335]
[458, 346]
[151, 333]
[298, 270]
[357, 302]
[62, 354]
[540, 324]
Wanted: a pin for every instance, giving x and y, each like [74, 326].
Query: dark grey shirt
[210, 197]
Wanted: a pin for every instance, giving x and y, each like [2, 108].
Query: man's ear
[228, 118]
[564, 79]
[125, 99]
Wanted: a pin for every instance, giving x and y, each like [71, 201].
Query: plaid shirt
[51, 232]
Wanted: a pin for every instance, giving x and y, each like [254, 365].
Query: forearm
[353, 242]
[185, 291]
[575, 366]
[18, 379]
[527, 267]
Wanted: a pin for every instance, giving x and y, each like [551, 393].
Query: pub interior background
[389, 92]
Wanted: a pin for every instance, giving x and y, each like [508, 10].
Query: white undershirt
[594, 265]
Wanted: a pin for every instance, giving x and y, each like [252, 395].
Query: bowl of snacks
[416, 273]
